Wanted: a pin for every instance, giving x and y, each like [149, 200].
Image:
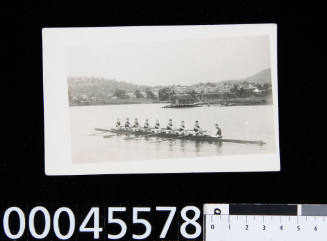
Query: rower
[218, 131]
[170, 125]
[156, 126]
[146, 125]
[118, 125]
[197, 128]
[182, 129]
[127, 124]
[136, 124]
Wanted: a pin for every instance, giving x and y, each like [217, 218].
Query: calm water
[237, 122]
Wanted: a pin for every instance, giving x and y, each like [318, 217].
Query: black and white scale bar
[263, 222]
[263, 209]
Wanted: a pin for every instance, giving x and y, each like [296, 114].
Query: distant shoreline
[221, 102]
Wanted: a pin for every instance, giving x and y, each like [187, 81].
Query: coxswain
[182, 129]
[170, 125]
[146, 125]
[118, 125]
[127, 123]
[218, 131]
[136, 124]
[197, 128]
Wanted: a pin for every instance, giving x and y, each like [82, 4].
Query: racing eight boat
[199, 138]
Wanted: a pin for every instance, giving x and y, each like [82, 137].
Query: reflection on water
[237, 122]
[219, 145]
[182, 145]
[177, 144]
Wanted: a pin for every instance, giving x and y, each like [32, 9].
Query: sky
[184, 62]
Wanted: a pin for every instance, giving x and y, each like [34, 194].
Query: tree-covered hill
[95, 86]
[263, 77]
[96, 90]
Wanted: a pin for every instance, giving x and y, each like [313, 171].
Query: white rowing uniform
[197, 128]
[127, 124]
[136, 124]
[146, 125]
[170, 126]
[118, 124]
[156, 127]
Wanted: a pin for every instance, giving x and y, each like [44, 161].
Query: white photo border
[57, 134]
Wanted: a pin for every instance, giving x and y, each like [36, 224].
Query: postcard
[160, 99]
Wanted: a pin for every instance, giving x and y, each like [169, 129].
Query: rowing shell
[184, 137]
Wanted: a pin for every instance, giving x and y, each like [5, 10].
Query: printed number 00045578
[93, 217]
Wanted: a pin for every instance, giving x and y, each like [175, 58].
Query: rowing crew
[135, 126]
[169, 128]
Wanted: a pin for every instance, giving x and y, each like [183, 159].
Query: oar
[201, 132]
[183, 136]
[100, 129]
[108, 136]
[138, 137]
[99, 133]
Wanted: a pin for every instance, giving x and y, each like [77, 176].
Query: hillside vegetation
[94, 90]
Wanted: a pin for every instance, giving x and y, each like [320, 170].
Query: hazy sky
[173, 62]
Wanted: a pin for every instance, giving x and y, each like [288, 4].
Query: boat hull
[184, 137]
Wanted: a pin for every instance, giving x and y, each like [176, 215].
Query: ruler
[262, 222]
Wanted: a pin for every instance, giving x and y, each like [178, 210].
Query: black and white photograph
[157, 121]
[161, 99]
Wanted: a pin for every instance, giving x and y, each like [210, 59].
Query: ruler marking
[305, 226]
[210, 214]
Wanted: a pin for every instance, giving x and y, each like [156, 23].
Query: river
[237, 122]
